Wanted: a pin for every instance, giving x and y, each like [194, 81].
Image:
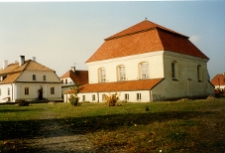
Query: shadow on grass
[49, 127]
[19, 110]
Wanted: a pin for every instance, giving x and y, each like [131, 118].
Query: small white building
[147, 62]
[219, 81]
[29, 80]
[72, 78]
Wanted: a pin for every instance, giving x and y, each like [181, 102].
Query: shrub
[22, 102]
[111, 99]
[74, 100]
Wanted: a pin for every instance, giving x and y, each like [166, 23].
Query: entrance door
[40, 93]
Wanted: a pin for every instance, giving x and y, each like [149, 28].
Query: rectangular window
[34, 77]
[26, 91]
[52, 90]
[122, 73]
[93, 97]
[173, 71]
[144, 70]
[8, 91]
[138, 96]
[199, 73]
[126, 97]
[103, 98]
[44, 77]
[0, 92]
[102, 75]
[83, 97]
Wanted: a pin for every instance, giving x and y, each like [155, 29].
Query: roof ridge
[143, 26]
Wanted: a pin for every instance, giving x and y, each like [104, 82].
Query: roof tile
[121, 86]
[143, 38]
[79, 76]
[219, 79]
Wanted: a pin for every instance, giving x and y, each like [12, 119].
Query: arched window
[101, 75]
[121, 73]
[174, 70]
[66, 81]
[199, 73]
[144, 70]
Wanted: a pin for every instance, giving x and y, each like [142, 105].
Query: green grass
[190, 126]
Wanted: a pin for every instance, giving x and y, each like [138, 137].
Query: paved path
[53, 137]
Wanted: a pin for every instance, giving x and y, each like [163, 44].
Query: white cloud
[194, 38]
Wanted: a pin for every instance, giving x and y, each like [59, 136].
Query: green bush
[22, 102]
[74, 100]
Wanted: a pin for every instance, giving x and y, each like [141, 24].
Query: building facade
[28, 80]
[147, 62]
[71, 79]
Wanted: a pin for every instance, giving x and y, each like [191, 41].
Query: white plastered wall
[145, 96]
[187, 84]
[131, 64]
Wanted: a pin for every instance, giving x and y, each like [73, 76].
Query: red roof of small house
[71, 91]
[121, 86]
[219, 79]
[79, 76]
[145, 37]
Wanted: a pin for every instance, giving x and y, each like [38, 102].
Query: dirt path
[52, 137]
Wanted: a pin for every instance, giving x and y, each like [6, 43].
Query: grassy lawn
[190, 126]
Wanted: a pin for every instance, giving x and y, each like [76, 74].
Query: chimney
[5, 64]
[34, 59]
[22, 60]
[73, 68]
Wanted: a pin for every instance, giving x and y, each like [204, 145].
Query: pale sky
[61, 34]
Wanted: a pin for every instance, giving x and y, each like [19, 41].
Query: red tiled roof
[175, 43]
[143, 38]
[121, 86]
[80, 76]
[140, 27]
[219, 79]
[70, 91]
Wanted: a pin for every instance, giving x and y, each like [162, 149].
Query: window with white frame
[121, 73]
[102, 75]
[93, 97]
[8, 91]
[52, 90]
[26, 91]
[138, 96]
[103, 98]
[126, 97]
[34, 77]
[44, 77]
[83, 97]
[144, 70]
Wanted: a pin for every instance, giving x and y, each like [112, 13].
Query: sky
[64, 34]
